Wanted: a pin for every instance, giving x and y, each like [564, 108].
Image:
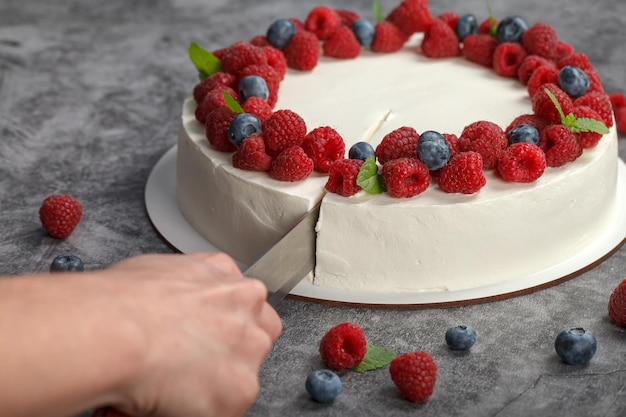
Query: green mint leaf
[369, 179]
[231, 103]
[569, 120]
[375, 358]
[493, 28]
[589, 125]
[556, 104]
[379, 13]
[205, 62]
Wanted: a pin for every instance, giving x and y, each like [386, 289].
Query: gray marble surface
[90, 99]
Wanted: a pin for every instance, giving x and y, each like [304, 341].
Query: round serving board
[162, 208]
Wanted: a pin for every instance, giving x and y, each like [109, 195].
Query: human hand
[204, 331]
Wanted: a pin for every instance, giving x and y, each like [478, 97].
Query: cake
[433, 241]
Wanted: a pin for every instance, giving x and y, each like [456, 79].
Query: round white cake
[435, 241]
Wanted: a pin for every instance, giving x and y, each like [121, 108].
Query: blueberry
[460, 337]
[363, 29]
[242, 126]
[361, 150]
[573, 81]
[67, 263]
[523, 133]
[323, 385]
[433, 150]
[253, 86]
[511, 29]
[280, 33]
[575, 346]
[466, 25]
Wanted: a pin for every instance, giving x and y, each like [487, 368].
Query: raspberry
[214, 99]
[291, 165]
[303, 51]
[463, 174]
[411, 16]
[559, 144]
[528, 119]
[540, 39]
[260, 41]
[322, 21]
[617, 100]
[240, 55]
[342, 176]
[522, 162]
[600, 103]
[415, 375]
[530, 64]
[259, 107]
[324, 146]
[219, 79]
[271, 77]
[440, 41]
[343, 346]
[387, 37]
[399, 143]
[276, 60]
[405, 177]
[545, 108]
[480, 49]
[60, 214]
[484, 28]
[217, 124]
[342, 44]
[283, 129]
[617, 305]
[348, 17]
[486, 138]
[579, 60]
[563, 50]
[450, 18]
[540, 76]
[587, 139]
[251, 156]
[507, 58]
[620, 118]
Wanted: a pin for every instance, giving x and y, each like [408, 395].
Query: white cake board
[162, 208]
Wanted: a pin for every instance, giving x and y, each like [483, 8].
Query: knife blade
[289, 261]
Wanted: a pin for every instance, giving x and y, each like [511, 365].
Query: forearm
[64, 346]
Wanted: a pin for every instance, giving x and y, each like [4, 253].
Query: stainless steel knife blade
[289, 261]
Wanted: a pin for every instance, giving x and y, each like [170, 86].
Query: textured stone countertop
[90, 99]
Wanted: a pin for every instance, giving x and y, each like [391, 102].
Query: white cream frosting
[434, 241]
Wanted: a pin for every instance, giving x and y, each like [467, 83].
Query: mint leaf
[375, 358]
[556, 104]
[205, 62]
[231, 103]
[379, 13]
[589, 125]
[369, 179]
[493, 28]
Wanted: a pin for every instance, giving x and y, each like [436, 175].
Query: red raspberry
[271, 77]
[220, 53]
[545, 108]
[217, 124]
[587, 139]
[322, 21]
[342, 44]
[618, 102]
[522, 162]
[343, 346]
[411, 16]
[259, 107]
[486, 138]
[242, 54]
[600, 103]
[440, 41]
[415, 375]
[324, 146]
[540, 39]
[214, 99]
[283, 129]
[348, 17]
[463, 174]
[453, 143]
[291, 165]
[579, 60]
[299, 24]
[530, 64]
[563, 50]
[219, 79]
[450, 18]
[251, 154]
[276, 60]
[507, 58]
[541, 76]
[399, 143]
[303, 51]
[484, 28]
[617, 305]
[595, 83]
[405, 177]
[387, 38]
[480, 49]
[342, 176]
[60, 214]
[528, 119]
[559, 144]
[260, 41]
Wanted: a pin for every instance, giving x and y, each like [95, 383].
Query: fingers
[218, 260]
